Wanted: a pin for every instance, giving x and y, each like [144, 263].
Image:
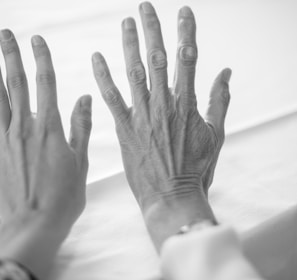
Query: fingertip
[100, 68]
[6, 35]
[97, 57]
[128, 23]
[146, 7]
[8, 43]
[40, 48]
[86, 103]
[226, 75]
[186, 11]
[81, 114]
[219, 93]
[37, 40]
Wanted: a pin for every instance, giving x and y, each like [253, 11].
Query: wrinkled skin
[42, 176]
[166, 145]
[169, 151]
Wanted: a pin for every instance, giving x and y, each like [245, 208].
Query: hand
[169, 151]
[42, 176]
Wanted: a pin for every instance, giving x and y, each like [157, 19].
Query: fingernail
[227, 75]
[86, 102]
[5, 35]
[147, 8]
[129, 23]
[97, 57]
[37, 41]
[186, 11]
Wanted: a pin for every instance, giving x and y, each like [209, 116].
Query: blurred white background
[257, 39]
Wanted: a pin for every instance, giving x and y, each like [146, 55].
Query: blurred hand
[42, 176]
[169, 151]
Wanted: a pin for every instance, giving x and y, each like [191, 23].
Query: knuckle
[112, 97]
[188, 55]
[136, 74]
[15, 81]
[157, 59]
[101, 73]
[46, 78]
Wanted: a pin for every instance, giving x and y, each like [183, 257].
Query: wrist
[31, 240]
[166, 215]
[173, 189]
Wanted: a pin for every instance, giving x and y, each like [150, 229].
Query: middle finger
[156, 54]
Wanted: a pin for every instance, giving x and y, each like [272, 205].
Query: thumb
[81, 125]
[219, 102]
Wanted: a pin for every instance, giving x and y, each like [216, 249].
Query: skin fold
[169, 151]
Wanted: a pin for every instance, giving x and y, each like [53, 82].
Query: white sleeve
[210, 254]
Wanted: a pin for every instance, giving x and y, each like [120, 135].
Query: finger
[219, 102]
[109, 91]
[186, 57]
[16, 77]
[4, 107]
[45, 78]
[135, 69]
[156, 54]
[81, 125]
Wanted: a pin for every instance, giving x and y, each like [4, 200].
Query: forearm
[167, 215]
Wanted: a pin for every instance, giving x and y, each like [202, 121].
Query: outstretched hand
[42, 176]
[169, 151]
